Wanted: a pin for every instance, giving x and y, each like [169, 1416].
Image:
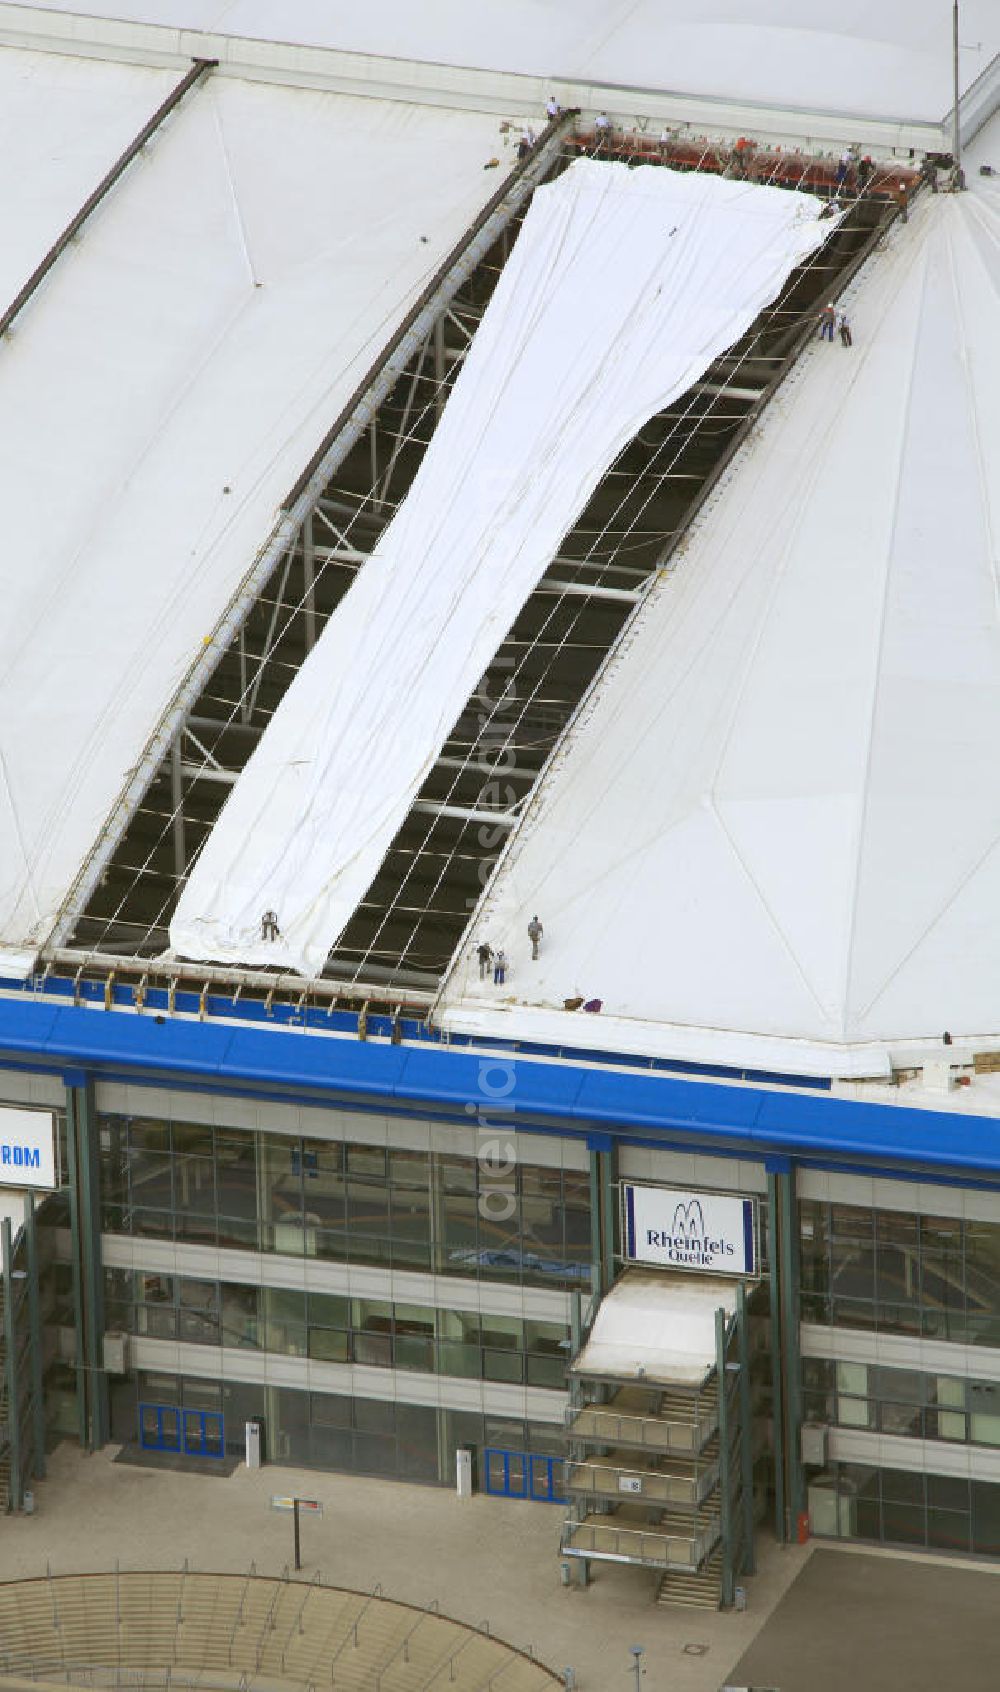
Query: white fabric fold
[623, 287]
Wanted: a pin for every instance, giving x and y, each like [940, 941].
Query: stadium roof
[182, 363]
[889, 59]
[776, 814]
[166, 385]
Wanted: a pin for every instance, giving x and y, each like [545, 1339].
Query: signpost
[295, 1505]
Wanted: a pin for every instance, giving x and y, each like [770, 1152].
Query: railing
[649, 1433]
[601, 1539]
[602, 1480]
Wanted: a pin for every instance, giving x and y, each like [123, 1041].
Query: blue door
[518, 1474]
[196, 1433]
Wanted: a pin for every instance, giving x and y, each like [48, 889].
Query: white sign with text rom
[713, 1232]
[27, 1148]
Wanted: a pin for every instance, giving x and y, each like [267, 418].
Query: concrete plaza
[481, 1558]
[817, 1619]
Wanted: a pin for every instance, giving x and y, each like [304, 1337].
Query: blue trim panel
[454, 1082]
[346, 1022]
[748, 1239]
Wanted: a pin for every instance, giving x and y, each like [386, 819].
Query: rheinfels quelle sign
[712, 1232]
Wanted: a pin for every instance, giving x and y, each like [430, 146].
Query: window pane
[900, 1419]
[236, 1175]
[453, 1358]
[326, 1345]
[986, 1518]
[411, 1214]
[373, 1415]
[409, 1168]
[949, 1530]
[240, 1315]
[143, 1133]
[412, 1352]
[547, 1372]
[903, 1523]
[852, 1222]
[814, 1247]
[373, 1350]
[330, 1409]
[502, 1366]
[902, 1486]
[368, 1162]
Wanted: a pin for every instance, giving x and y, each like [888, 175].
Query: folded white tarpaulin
[623, 287]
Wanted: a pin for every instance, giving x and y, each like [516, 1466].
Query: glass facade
[326, 1431]
[900, 1507]
[905, 1402]
[333, 1329]
[897, 1272]
[342, 1202]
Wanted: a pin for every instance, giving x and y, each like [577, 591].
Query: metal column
[725, 1461]
[789, 1264]
[748, 1564]
[81, 1122]
[177, 811]
[10, 1346]
[575, 1321]
[439, 395]
[79, 1361]
[596, 1255]
[608, 1174]
[35, 1336]
[309, 580]
[777, 1383]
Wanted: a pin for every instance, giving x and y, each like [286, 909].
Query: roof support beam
[464, 813]
[588, 590]
[199, 69]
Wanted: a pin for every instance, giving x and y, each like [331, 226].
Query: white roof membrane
[885, 57]
[63, 123]
[776, 815]
[160, 396]
[623, 287]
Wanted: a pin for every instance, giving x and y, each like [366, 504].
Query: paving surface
[481, 1558]
[869, 1623]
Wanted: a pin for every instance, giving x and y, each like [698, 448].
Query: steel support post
[790, 1332]
[244, 678]
[608, 1196]
[439, 395]
[35, 1336]
[309, 580]
[82, 1123]
[596, 1270]
[72, 1108]
[177, 809]
[749, 1563]
[725, 1461]
[10, 1347]
[777, 1381]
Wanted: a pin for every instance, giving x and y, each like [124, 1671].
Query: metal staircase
[659, 1472]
